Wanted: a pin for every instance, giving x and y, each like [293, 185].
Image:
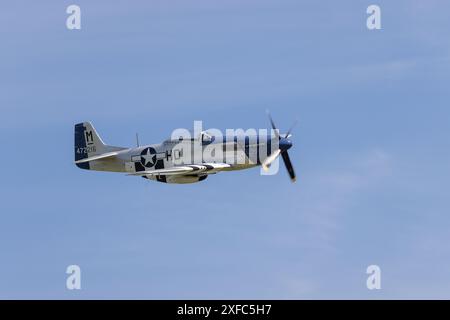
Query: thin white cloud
[330, 195]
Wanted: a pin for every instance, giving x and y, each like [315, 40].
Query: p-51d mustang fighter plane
[168, 161]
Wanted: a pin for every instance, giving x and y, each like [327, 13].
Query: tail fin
[88, 144]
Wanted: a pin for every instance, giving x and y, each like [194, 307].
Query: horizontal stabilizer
[99, 157]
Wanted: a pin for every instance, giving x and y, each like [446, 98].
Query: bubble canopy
[189, 135]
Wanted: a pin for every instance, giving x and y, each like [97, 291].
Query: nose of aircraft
[285, 144]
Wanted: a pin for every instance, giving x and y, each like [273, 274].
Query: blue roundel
[148, 157]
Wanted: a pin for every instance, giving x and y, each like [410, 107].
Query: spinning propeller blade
[284, 145]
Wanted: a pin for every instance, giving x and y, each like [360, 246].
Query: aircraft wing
[185, 169]
[100, 156]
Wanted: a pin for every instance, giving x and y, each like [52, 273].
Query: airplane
[163, 162]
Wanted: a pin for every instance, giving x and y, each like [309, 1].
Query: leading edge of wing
[187, 169]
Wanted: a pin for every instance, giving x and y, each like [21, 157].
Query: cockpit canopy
[204, 137]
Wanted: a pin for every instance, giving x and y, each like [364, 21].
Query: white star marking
[148, 157]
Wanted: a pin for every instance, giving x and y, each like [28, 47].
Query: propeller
[283, 146]
[271, 158]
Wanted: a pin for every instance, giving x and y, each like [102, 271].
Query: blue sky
[371, 149]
